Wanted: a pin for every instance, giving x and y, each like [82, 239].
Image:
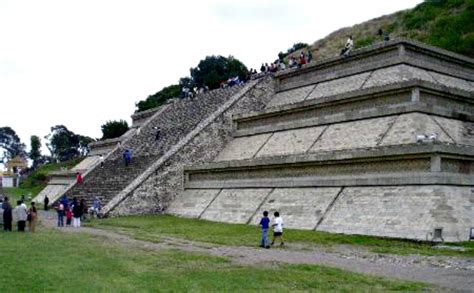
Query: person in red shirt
[79, 178]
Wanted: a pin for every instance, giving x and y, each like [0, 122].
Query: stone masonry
[378, 143]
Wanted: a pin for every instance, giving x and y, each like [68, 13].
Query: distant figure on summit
[158, 133]
[127, 157]
[348, 47]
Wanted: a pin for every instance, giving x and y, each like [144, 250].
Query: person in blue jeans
[264, 224]
[60, 211]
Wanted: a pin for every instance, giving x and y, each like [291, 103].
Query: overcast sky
[81, 63]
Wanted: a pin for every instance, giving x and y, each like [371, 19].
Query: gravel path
[452, 273]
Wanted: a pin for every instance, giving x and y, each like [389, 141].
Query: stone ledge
[397, 51]
[415, 178]
[400, 87]
[406, 151]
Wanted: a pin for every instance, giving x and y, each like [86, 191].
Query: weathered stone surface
[156, 193]
[295, 141]
[243, 147]
[235, 205]
[192, 202]
[407, 126]
[452, 81]
[291, 96]
[86, 163]
[403, 211]
[338, 86]
[352, 135]
[300, 208]
[52, 191]
[460, 131]
[396, 74]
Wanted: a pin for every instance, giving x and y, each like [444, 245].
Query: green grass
[55, 261]
[15, 193]
[152, 228]
[36, 181]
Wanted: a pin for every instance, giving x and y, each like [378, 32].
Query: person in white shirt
[348, 47]
[277, 229]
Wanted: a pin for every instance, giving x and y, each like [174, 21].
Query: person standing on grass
[60, 210]
[46, 202]
[7, 215]
[76, 214]
[277, 229]
[68, 217]
[83, 204]
[264, 224]
[20, 215]
[32, 217]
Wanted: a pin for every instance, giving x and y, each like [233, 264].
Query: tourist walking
[76, 214]
[20, 215]
[32, 217]
[96, 205]
[277, 229]
[127, 157]
[46, 202]
[101, 160]
[264, 224]
[79, 179]
[7, 215]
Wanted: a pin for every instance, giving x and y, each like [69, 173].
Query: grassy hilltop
[448, 24]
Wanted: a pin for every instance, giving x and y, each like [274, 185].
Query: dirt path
[449, 272]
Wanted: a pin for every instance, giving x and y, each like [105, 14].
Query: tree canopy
[214, 69]
[35, 152]
[65, 144]
[209, 72]
[10, 144]
[113, 129]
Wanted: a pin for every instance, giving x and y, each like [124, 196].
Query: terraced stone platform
[377, 143]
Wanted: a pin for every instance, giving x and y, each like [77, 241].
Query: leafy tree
[65, 144]
[159, 98]
[113, 129]
[10, 144]
[295, 47]
[214, 69]
[35, 152]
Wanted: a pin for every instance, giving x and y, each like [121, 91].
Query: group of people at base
[276, 224]
[74, 211]
[21, 214]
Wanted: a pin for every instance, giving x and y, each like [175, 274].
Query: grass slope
[55, 261]
[447, 24]
[151, 228]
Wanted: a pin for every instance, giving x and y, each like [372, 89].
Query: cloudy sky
[81, 63]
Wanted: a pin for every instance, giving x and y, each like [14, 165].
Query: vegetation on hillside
[448, 24]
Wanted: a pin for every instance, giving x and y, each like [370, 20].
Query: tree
[214, 69]
[159, 98]
[65, 144]
[35, 152]
[10, 144]
[113, 129]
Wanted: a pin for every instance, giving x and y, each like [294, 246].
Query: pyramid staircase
[377, 143]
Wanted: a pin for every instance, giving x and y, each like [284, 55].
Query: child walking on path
[264, 224]
[277, 229]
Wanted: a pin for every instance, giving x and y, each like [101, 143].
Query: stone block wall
[158, 189]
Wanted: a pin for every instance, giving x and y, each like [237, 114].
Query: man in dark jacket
[7, 215]
[46, 202]
[76, 213]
